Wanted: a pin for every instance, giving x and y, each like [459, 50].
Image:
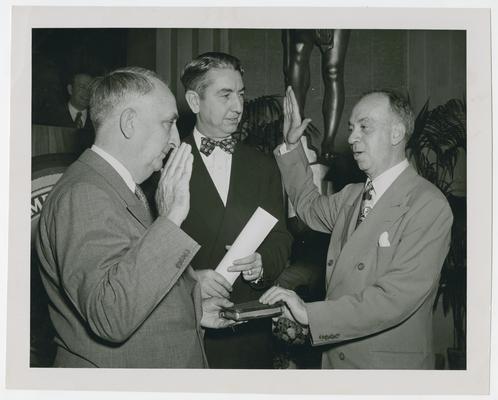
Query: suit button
[361, 266]
[342, 356]
[330, 262]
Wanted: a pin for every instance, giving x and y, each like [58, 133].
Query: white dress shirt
[74, 111]
[219, 166]
[120, 168]
[384, 180]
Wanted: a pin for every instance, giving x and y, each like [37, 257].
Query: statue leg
[300, 45]
[333, 77]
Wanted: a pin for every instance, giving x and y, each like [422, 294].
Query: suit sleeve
[410, 278]
[317, 211]
[115, 278]
[275, 250]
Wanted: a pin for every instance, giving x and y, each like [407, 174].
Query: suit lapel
[388, 209]
[238, 177]
[132, 203]
[342, 230]
[352, 216]
[140, 213]
[237, 188]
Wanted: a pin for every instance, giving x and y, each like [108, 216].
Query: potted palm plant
[436, 147]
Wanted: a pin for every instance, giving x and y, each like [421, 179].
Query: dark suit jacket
[62, 117]
[121, 291]
[254, 181]
[382, 277]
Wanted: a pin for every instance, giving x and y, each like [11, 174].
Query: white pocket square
[384, 240]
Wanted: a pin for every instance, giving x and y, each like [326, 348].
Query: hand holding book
[292, 326]
[295, 307]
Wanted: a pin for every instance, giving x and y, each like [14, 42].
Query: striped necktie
[78, 121]
[366, 202]
[141, 196]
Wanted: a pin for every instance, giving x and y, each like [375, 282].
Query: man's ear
[398, 133]
[127, 122]
[69, 88]
[193, 100]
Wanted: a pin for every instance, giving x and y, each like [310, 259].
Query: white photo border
[475, 380]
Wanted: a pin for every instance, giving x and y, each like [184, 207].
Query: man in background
[73, 112]
[389, 239]
[79, 99]
[122, 293]
[229, 182]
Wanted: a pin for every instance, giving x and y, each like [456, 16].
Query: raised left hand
[251, 267]
[211, 313]
[295, 307]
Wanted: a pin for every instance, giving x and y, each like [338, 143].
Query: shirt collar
[120, 168]
[384, 180]
[197, 137]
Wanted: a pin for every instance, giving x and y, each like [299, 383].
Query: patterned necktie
[366, 202]
[141, 196]
[208, 145]
[78, 121]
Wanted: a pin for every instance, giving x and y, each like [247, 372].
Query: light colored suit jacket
[121, 291]
[379, 294]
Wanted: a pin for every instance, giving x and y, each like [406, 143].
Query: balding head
[135, 116]
[380, 125]
[115, 89]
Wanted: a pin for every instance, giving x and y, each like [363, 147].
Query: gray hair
[109, 90]
[400, 106]
[194, 73]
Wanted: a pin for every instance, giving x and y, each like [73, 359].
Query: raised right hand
[293, 126]
[173, 192]
[213, 284]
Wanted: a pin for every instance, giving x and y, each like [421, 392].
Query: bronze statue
[298, 45]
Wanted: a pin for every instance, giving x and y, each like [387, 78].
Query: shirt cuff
[282, 149]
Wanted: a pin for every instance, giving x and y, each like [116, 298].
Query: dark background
[427, 65]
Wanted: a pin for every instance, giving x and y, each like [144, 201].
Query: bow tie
[208, 145]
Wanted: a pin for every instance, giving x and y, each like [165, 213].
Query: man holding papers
[229, 182]
[390, 237]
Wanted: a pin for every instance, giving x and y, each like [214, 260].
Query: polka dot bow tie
[208, 145]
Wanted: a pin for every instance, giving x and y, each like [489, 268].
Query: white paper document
[250, 238]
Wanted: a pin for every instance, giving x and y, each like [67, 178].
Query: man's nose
[353, 136]
[174, 138]
[238, 104]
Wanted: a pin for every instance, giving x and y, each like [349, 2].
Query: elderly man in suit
[122, 293]
[389, 240]
[229, 182]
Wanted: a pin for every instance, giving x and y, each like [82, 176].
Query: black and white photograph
[242, 198]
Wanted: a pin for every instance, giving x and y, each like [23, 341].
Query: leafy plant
[262, 124]
[438, 140]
